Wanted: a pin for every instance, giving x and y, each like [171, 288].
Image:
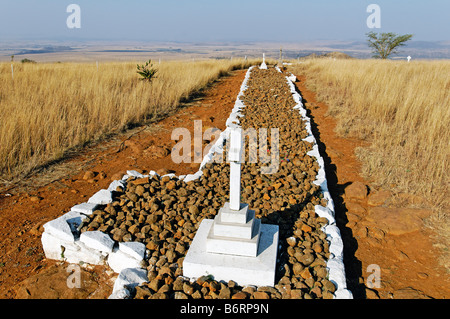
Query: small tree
[385, 44]
[27, 61]
[146, 71]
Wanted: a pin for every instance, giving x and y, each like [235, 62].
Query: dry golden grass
[50, 108]
[402, 108]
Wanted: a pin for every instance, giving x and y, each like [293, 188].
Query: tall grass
[50, 108]
[402, 108]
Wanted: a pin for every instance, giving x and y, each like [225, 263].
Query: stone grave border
[60, 239]
[335, 263]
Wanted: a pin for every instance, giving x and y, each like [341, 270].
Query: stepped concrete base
[244, 270]
[234, 232]
[232, 245]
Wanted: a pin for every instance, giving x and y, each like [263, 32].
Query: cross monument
[263, 65]
[235, 245]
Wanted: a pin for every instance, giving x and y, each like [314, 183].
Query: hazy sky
[218, 21]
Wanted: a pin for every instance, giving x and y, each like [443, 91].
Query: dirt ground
[407, 259]
[382, 229]
[24, 271]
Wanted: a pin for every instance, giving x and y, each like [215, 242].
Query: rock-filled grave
[163, 213]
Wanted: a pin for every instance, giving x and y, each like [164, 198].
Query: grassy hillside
[50, 108]
[402, 108]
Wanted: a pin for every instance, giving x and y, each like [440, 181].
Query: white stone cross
[263, 65]
[235, 245]
[234, 157]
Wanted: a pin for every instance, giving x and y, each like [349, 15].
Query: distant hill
[46, 49]
[330, 55]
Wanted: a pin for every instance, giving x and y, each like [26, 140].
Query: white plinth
[240, 216]
[234, 232]
[244, 270]
[233, 229]
[234, 245]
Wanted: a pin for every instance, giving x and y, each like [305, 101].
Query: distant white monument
[408, 58]
[263, 65]
[234, 245]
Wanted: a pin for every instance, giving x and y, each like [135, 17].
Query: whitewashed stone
[332, 232]
[120, 294]
[83, 254]
[74, 220]
[60, 229]
[97, 240]
[325, 212]
[134, 249]
[343, 294]
[135, 174]
[336, 247]
[193, 177]
[170, 175]
[102, 197]
[152, 173]
[335, 263]
[336, 273]
[114, 184]
[84, 208]
[53, 246]
[129, 278]
[71, 252]
[118, 260]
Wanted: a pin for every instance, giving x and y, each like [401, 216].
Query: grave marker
[234, 157]
[235, 245]
[263, 65]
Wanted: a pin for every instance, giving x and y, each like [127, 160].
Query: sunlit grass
[50, 108]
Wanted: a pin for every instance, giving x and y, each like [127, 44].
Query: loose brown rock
[260, 295]
[356, 190]
[239, 295]
[224, 293]
[188, 289]
[88, 175]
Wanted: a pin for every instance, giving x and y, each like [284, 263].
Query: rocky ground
[165, 213]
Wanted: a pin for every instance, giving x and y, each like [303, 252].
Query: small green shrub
[147, 72]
